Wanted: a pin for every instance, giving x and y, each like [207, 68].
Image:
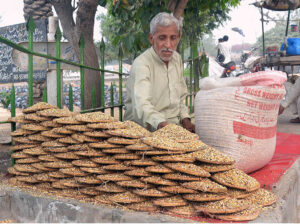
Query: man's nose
[168, 43]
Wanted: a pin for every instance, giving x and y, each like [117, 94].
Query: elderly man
[156, 88]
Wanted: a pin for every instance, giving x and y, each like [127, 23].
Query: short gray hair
[164, 19]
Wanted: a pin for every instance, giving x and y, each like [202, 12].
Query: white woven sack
[240, 119]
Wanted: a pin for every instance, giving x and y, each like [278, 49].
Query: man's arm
[141, 97]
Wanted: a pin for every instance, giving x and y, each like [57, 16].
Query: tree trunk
[177, 7]
[72, 32]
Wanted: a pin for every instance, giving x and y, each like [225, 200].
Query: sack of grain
[238, 116]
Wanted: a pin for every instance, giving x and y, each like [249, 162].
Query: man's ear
[150, 37]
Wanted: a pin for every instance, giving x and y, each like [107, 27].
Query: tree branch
[179, 10]
[64, 11]
[172, 5]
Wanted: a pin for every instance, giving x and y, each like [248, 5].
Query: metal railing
[192, 83]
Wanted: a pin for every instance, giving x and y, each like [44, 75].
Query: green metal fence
[193, 85]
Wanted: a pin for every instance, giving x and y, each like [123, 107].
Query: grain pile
[95, 158]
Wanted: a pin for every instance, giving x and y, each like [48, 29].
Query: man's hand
[188, 125]
[162, 124]
[281, 109]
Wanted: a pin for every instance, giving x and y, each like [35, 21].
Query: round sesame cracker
[89, 153]
[73, 171]
[37, 107]
[84, 163]
[212, 155]
[19, 119]
[262, 197]
[121, 141]
[114, 177]
[146, 206]
[236, 178]
[132, 183]
[107, 125]
[117, 167]
[27, 160]
[68, 140]
[188, 168]
[58, 164]
[23, 140]
[115, 151]
[170, 201]
[35, 117]
[152, 192]
[55, 113]
[20, 155]
[103, 145]
[21, 132]
[237, 193]
[13, 171]
[187, 210]
[95, 117]
[66, 120]
[126, 198]
[141, 172]
[104, 160]
[62, 130]
[88, 180]
[34, 127]
[163, 143]
[89, 191]
[157, 180]
[96, 134]
[224, 206]
[39, 138]
[181, 177]
[176, 190]
[26, 168]
[205, 185]
[175, 158]
[27, 179]
[95, 170]
[22, 146]
[48, 158]
[40, 166]
[127, 156]
[52, 134]
[175, 132]
[214, 168]
[50, 124]
[158, 169]
[250, 213]
[204, 196]
[110, 188]
[66, 155]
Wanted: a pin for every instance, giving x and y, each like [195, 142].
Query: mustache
[167, 49]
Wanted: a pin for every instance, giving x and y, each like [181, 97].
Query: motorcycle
[229, 68]
[250, 62]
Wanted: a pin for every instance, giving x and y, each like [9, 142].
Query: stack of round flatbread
[95, 158]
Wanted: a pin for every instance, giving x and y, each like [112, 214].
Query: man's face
[164, 41]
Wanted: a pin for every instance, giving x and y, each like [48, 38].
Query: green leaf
[102, 3]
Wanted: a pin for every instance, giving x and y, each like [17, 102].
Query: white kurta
[225, 49]
[156, 93]
[292, 97]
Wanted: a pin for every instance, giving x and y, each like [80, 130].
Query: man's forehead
[166, 30]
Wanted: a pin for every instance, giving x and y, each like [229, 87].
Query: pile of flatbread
[95, 158]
